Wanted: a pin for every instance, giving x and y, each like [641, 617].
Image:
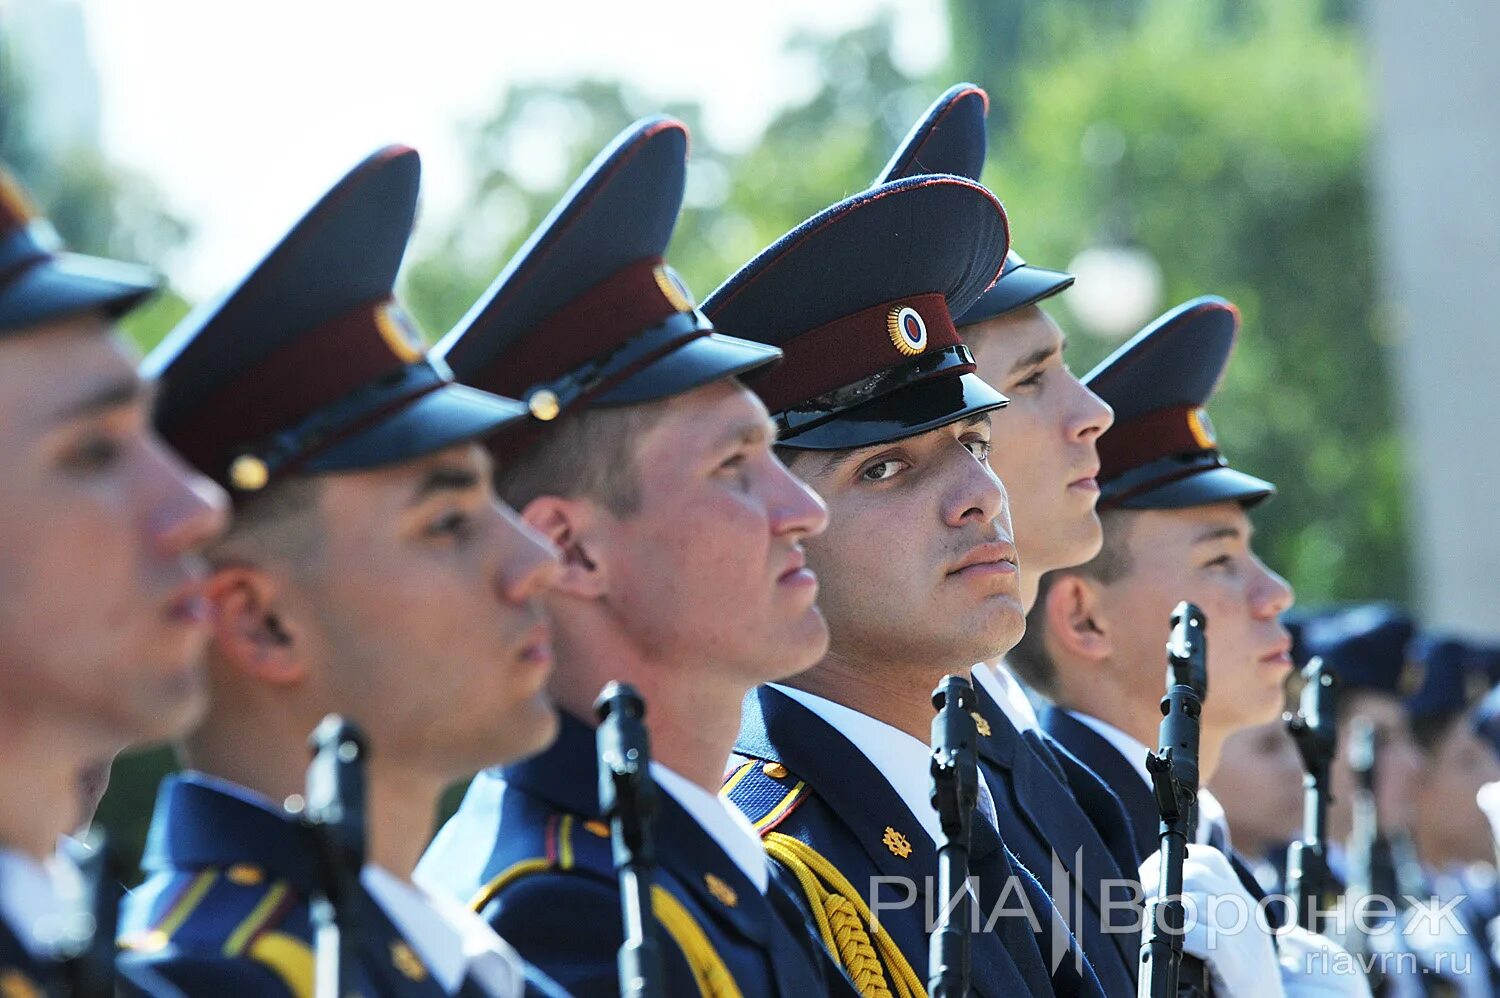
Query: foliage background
[1227, 138]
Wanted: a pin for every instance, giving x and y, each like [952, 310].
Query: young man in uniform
[1059, 819]
[1376, 654]
[1175, 526]
[103, 619]
[650, 467]
[370, 573]
[879, 409]
[1451, 835]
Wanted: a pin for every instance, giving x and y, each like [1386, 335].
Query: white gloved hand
[1222, 928]
[1488, 799]
[1314, 966]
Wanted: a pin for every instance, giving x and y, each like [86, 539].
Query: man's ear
[1074, 618]
[573, 527]
[251, 632]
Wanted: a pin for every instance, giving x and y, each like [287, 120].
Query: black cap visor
[697, 362]
[449, 415]
[905, 412]
[1023, 286]
[68, 285]
[1205, 487]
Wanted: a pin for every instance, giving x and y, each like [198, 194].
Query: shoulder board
[765, 791]
[569, 843]
[225, 913]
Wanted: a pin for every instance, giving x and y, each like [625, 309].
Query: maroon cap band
[637, 297]
[1176, 432]
[364, 345]
[856, 347]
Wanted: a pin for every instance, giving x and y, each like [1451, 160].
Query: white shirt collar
[41, 902]
[721, 820]
[452, 941]
[896, 755]
[1001, 684]
[1210, 811]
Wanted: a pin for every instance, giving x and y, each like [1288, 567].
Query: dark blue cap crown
[1452, 678]
[308, 364]
[1367, 646]
[40, 283]
[950, 138]
[860, 297]
[587, 312]
[1162, 452]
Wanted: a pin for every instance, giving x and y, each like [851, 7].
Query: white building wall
[1437, 175]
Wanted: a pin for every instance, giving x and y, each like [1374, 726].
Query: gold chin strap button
[774, 770]
[249, 473]
[544, 404]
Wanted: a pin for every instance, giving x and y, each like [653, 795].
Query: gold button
[244, 874]
[980, 724]
[249, 473]
[774, 770]
[544, 405]
[599, 828]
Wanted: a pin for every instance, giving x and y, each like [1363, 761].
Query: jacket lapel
[1115, 770]
[777, 728]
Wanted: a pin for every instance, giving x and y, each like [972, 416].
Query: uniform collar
[1210, 811]
[1001, 685]
[903, 760]
[203, 821]
[566, 776]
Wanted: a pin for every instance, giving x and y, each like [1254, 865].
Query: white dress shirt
[452, 941]
[721, 820]
[903, 760]
[1210, 811]
[42, 902]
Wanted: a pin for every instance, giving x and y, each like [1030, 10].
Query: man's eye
[455, 524]
[1222, 561]
[1034, 378]
[734, 463]
[979, 448]
[95, 454]
[882, 470]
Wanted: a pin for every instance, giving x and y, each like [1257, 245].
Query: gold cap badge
[908, 331]
[398, 333]
[672, 286]
[1202, 429]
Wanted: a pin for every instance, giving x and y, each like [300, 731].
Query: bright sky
[244, 112]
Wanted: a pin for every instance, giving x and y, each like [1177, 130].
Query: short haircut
[1030, 658]
[590, 454]
[1428, 730]
[283, 520]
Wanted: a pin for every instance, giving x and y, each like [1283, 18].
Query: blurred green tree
[1233, 150]
[811, 154]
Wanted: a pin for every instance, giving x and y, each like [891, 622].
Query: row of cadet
[1415, 809]
[861, 468]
